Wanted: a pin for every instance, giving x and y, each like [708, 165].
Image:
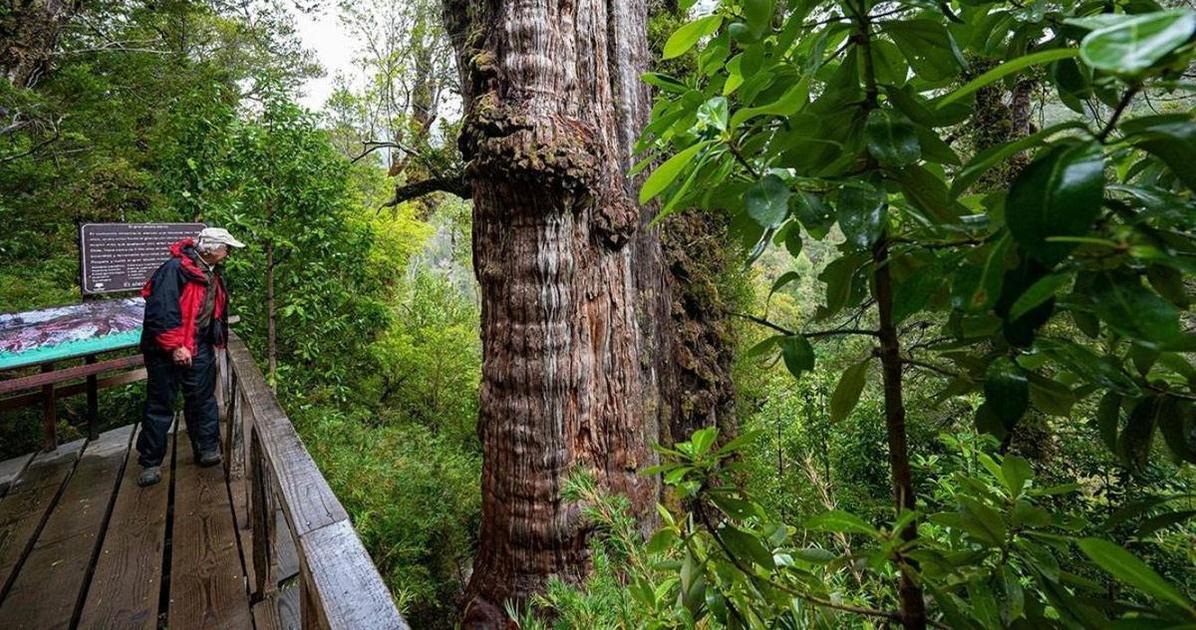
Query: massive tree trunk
[574, 301]
[29, 32]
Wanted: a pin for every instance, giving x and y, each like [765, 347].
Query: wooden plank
[238, 478]
[57, 376]
[305, 495]
[46, 592]
[49, 411]
[286, 554]
[279, 611]
[343, 582]
[10, 470]
[207, 584]
[27, 504]
[74, 389]
[125, 588]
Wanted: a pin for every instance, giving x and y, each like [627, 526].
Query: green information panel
[63, 332]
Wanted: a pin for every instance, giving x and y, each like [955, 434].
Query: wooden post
[49, 412]
[261, 511]
[92, 401]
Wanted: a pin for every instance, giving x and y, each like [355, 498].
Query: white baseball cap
[219, 236]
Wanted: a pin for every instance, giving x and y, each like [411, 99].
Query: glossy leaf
[1006, 69]
[1135, 43]
[1124, 566]
[1124, 303]
[798, 354]
[861, 211]
[847, 392]
[891, 139]
[1006, 390]
[1058, 194]
[685, 37]
[767, 201]
[667, 172]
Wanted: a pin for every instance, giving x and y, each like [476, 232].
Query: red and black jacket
[174, 296]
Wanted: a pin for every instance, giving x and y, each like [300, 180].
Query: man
[186, 316]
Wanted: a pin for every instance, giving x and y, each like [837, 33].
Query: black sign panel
[120, 256]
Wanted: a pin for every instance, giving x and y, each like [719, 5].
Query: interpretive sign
[69, 331]
[118, 257]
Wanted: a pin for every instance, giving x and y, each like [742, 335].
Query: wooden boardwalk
[260, 542]
[82, 545]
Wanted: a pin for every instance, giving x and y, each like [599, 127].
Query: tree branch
[456, 185]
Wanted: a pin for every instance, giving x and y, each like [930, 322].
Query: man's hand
[182, 356]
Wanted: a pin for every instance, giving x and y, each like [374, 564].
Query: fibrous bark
[574, 300]
[29, 33]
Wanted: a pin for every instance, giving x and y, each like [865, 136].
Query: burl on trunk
[574, 306]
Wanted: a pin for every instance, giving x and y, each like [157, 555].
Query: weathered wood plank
[279, 611]
[27, 504]
[306, 497]
[343, 582]
[24, 400]
[50, 376]
[47, 589]
[125, 588]
[207, 584]
[11, 469]
[286, 554]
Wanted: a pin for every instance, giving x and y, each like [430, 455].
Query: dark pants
[164, 379]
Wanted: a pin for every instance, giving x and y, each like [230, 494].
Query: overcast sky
[323, 33]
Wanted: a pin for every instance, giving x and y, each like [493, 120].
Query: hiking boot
[209, 458]
[150, 475]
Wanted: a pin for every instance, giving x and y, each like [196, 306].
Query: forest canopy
[748, 313]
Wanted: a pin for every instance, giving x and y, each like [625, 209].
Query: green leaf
[1121, 564]
[661, 540]
[847, 392]
[862, 214]
[714, 113]
[1058, 194]
[839, 276]
[1171, 138]
[891, 139]
[990, 279]
[1136, 43]
[735, 508]
[814, 214]
[1134, 443]
[840, 521]
[1006, 390]
[767, 201]
[667, 172]
[1177, 423]
[758, 14]
[1050, 397]
[746, 546]
[1016, 472]
[993, 156]
[798, 355]
[928, 193]
[1039, 292]
[784, 279]
[702, 440]
[928, 46]
[687, 35]
[817, 555]
[1006, 69]
[1127, 306]
[764, 346]
[664, 82]
[785, 105]
[1108, 418]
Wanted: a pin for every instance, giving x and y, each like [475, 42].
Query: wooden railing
[309, 567]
